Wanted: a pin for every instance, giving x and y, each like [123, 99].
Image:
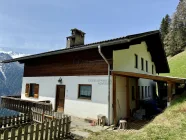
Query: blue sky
[35, 26]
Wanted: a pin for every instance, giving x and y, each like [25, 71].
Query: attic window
[146, 66]
[136, 60]
[142, 64]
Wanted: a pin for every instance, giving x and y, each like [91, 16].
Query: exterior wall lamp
[60, 80]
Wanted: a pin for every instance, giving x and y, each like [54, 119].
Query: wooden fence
[39, 115]
[23, 106]
[14, 121]
[55, 129]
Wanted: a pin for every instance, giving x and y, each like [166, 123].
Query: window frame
[86, 98]
[142, 63]
[136, 61]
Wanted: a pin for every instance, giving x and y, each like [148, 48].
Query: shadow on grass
[179, 99]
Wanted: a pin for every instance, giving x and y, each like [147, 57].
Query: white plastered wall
[121, 110]
[124, 60]
[73, 106]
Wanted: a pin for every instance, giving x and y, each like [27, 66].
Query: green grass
[177, 65]
[169, 125]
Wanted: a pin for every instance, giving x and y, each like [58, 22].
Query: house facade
[75, 79]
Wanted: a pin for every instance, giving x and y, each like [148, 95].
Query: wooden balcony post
[169, 93]
[137, 94]
[127, 97]
[114, 98]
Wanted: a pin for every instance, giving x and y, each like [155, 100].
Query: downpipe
[99, 50]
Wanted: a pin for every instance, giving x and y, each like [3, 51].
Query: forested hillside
[173, 30]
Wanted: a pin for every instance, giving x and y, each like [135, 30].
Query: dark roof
[149, 37]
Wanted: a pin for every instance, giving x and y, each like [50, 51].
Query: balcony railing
[23, 106]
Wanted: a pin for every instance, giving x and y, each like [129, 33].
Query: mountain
[10, 75]
[13, 54]
[177, 65]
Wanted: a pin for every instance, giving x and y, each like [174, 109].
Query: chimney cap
[75, 29]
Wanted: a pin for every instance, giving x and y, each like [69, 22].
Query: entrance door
[60, 98]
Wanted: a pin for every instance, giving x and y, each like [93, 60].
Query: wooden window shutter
[36, 90]
[27, 90]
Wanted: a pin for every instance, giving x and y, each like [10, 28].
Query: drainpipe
[99, 49]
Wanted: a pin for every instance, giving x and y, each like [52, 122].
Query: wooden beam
[114, 98]
[127, 97]
[151, 77]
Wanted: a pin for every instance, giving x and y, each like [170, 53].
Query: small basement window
[32, 90]
[85, 92]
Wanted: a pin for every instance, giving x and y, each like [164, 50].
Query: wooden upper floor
[86, 60]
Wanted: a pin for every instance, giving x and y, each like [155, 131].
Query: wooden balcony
[23, 106]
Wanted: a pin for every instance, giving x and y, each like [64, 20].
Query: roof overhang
[152, 39]
[151, 77]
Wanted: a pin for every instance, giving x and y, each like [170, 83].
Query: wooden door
[60, 98]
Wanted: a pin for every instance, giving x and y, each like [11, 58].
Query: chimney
[77, 38]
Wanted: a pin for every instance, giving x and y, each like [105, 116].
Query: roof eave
[68, 50]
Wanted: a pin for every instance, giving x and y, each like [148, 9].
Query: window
[139, 91]
[142, 92]
[85, 91]
[133, 93]
[146, 92]
[152, 69]
[142, 65]
[136, 61]
[32, 90]
[146, 66]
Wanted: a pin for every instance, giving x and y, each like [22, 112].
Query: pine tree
[165, 26]
[175, 39]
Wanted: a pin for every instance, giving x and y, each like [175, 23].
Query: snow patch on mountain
[13, 54]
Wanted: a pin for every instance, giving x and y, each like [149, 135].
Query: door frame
[56, 96]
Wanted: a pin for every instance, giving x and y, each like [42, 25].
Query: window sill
[31, 97]
[86, 99]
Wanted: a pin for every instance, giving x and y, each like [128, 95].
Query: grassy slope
[167, 126]
[177, 65]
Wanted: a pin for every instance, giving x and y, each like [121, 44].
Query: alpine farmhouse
[108, 77]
